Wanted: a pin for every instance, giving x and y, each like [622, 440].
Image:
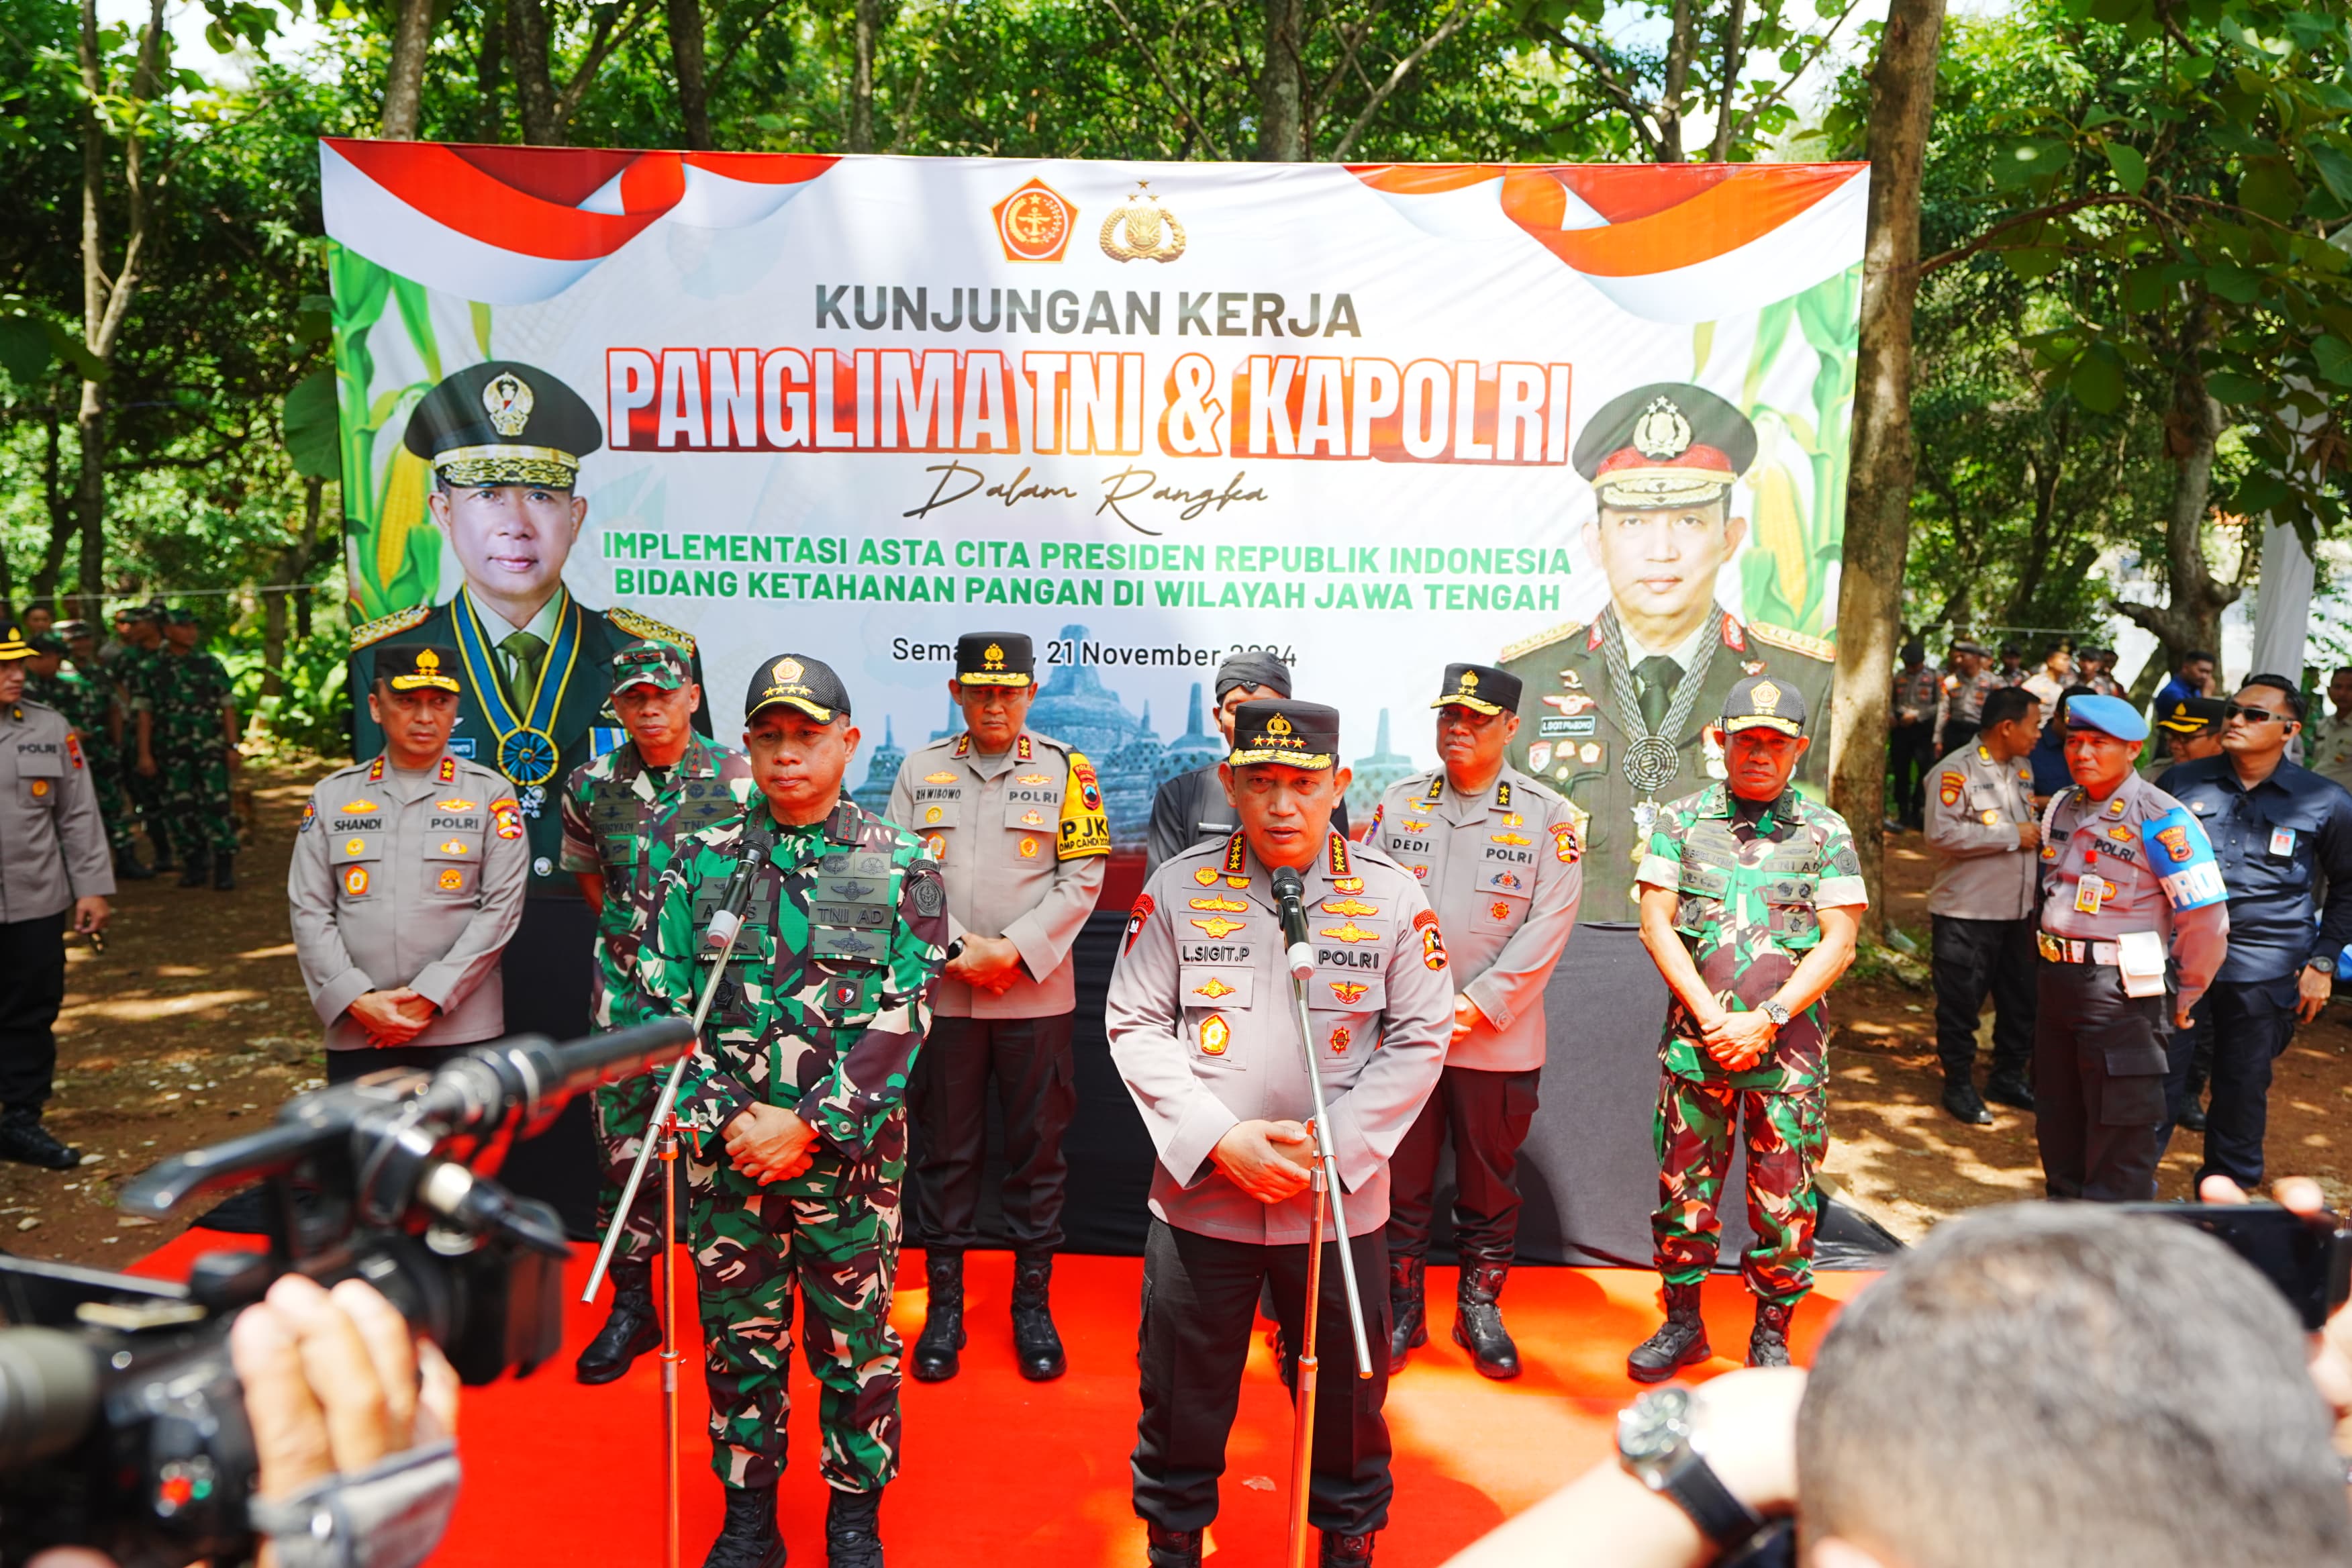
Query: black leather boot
[853, 1529]
[1768, 1343]
[1345, 1551]
[1408, 1308]
[935, 1352]
[163, 863]
[1165, 1548]
[24, 1139]
[2009, 1089]
[748, 1538]
[223, 872]
[633, 1329]
[196, 869]
[1963, 1104]
[1479, 1324]
[1679, 1342]
[128, 868]
[1035, 1345]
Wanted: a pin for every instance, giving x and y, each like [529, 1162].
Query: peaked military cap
[1764, 702]
[49, 643]
[798, 681]
[1294, 734]
[412, 666]
[2187, 715]
[141, 612]
[504, 423]
[1666, 444]
[12, 642]
[1481, 688]
[1970, 645]
[650, 663]
[72, 629]
[995, 659]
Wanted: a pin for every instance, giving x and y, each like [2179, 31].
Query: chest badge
[1499, 909]
[1351, 933]
[933, 814]
[940, 778]
[1349, 884]
[1341, 1039]
[1215, 990]
[355, 881]
[354, 846]
[1218, 902]
[1348, 993]
[1205, 877]
[1028, 848]
[1349, 906]
[452, 879]
[1215, 1033]
[1219, 927]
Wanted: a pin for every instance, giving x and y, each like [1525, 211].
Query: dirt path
[194, 1024]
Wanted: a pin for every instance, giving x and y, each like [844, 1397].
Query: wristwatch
[1778, 1014]
[1654, 1445]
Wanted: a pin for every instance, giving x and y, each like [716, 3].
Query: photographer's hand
[334, 1382]
[2331, 1347]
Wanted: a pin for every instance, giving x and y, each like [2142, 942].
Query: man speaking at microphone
[1205, 1032]
[796, 1097]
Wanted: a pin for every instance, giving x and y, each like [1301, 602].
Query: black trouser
[344, 1066]
[1957, 733]
[1199, 1297]
[1910, 753]
[1972, 958]
[1036, 1085]
[2249, 1023]
[32, 989]
[2098, 1084]
[2189, 1067]
[1487, 1114]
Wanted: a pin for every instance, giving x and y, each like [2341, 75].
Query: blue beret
[2111, 714]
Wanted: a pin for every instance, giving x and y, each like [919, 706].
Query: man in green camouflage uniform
[86, 705]
[186, 716]
[1751, 898]
[135, 662]
[623, 815]
[796, 1093]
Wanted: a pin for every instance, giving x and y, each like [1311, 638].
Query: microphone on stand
[726, 920]
[1289, 896]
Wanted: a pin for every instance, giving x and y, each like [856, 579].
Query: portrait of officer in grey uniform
[1496, 855]
[408, 882]
[1205, 1032]
[1016, 823]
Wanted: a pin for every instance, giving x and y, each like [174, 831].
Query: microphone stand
[1289, 896]
[719, 937]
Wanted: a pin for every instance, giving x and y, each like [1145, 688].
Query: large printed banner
[1148, 414]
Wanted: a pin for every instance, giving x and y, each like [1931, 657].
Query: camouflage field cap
[649, 663]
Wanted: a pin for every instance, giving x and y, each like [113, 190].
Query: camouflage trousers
[145, 797]
[114, 800]
[834, 1233]
[1786, 1134]
[194, 800]
[623, 1110]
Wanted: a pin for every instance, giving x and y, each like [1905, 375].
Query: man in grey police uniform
[1982, 830]
[1204, 1034]
[2128, 878]
[55, 867]
[1015, 821]
[1192, 808]
[406, 882]
[1496, 855]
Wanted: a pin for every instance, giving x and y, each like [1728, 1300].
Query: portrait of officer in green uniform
[1616, 710]
[506, 440]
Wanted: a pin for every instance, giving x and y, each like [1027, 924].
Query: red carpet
[998, 1470]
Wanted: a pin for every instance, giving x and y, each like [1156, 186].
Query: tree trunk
[1281, 92]
[403, 80]
[543, 126]
[1677, 83]
[866, 23]
[694, 94]
[311, 491]
[89, 504]
[1735, 59]
[63, 516]
[489, 122]
[2191, 617]
[1878, 496]
[89, 424]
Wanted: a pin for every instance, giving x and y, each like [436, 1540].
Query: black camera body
[123, 1425]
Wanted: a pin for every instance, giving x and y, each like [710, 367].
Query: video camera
[121, 1423]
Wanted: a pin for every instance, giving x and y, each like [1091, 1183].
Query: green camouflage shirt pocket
[1698, 905]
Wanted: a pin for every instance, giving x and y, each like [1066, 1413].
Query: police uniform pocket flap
[1205, 987]
[40, 761]
[1503, 879]
[831, 889]
[855, 863]
[1705, 881]
[466, 847]
[1027, 816]
[1347, 993]
[349, 846]
[1494, 912]
[938, 813]
[1507, 849]
[848, 945]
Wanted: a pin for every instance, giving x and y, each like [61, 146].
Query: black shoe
[1679, 1342]
[853, 1529]
[633, 1329]
[2192, 1117]
[1768, 1343]
[748, 1538]
[1478, 1328]
[1036, 1346]
[225, 872]
[1967, 1107]
[1164, 1548]
[1345, 1551]
[2005, 1088]
[1408, 1308]
[935, 1352]
[195, 871]
[24, 1139]
[127, 868]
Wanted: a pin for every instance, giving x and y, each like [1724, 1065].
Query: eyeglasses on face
[2255, 715]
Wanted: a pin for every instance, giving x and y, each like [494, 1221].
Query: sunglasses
[2255, 715]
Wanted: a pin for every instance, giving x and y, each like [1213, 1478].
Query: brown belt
[2073, 950]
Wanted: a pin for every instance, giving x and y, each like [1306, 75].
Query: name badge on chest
[2283, 842]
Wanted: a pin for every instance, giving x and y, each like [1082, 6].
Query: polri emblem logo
[1142, 229]
[1033, 224]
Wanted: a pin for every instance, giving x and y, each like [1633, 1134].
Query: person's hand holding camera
[2331, 1355]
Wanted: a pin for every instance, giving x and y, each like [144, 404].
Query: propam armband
[2182, 859]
